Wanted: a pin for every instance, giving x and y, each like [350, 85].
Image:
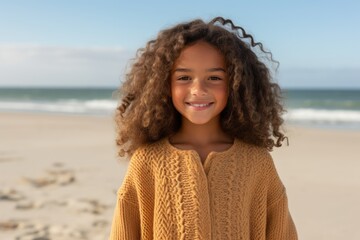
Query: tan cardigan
[168, 193]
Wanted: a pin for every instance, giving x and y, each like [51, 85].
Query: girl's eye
[214, 78]
[184, 78]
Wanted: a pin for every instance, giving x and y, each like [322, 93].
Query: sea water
[320, 108]
[323, 108]
[89, 101]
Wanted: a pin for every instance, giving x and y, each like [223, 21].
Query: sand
[59, 175]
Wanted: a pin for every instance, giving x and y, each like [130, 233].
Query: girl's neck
[200, 135]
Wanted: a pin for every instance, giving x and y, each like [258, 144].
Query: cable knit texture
[168, 193]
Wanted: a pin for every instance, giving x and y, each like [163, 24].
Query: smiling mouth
[199, 105]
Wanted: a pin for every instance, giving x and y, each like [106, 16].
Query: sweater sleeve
[280, 225]
[126, 222]
[126, 219]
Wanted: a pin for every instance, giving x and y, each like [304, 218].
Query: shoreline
[67, 165]
[350, 126]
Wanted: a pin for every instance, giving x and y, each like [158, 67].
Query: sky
[88, 43]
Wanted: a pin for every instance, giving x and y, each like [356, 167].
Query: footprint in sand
[26, 205]
[29, 230]
[87, 205]
[11, 194]
[9, 225]
[47, 232]
[60, 177]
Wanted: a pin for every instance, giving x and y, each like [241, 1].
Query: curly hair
[254, 109]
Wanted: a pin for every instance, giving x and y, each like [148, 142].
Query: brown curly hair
[254, 109]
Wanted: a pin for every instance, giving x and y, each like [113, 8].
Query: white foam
[322, 115]
[62, 106]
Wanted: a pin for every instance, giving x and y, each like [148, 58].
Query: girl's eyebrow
[182, 70]
[207, 70]
[215, 70]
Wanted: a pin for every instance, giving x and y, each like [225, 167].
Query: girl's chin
[200, 121]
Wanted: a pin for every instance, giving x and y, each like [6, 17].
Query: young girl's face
[199, 83]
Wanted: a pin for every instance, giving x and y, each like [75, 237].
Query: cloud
[37, 65]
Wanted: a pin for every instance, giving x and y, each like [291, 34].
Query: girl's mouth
[199, 106]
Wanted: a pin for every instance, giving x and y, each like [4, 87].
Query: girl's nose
[198, 88]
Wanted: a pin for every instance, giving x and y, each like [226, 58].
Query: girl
[199, 114]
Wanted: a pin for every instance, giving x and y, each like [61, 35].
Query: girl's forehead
[201, 54]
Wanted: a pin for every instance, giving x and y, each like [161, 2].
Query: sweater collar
[228, 151]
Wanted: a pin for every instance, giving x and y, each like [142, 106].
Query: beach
[59, 175]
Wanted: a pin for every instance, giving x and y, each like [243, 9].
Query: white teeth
[199, 105]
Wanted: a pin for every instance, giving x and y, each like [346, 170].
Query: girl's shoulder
[256, 155]
[260, 164]
[149, 148]
[150, 151]
[141, 166]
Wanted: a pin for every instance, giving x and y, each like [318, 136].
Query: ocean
[323, 108]
[319, 108]
[88, 101]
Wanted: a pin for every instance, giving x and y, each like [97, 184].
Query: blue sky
[88, 43]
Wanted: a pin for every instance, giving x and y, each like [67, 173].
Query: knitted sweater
[167, 193]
